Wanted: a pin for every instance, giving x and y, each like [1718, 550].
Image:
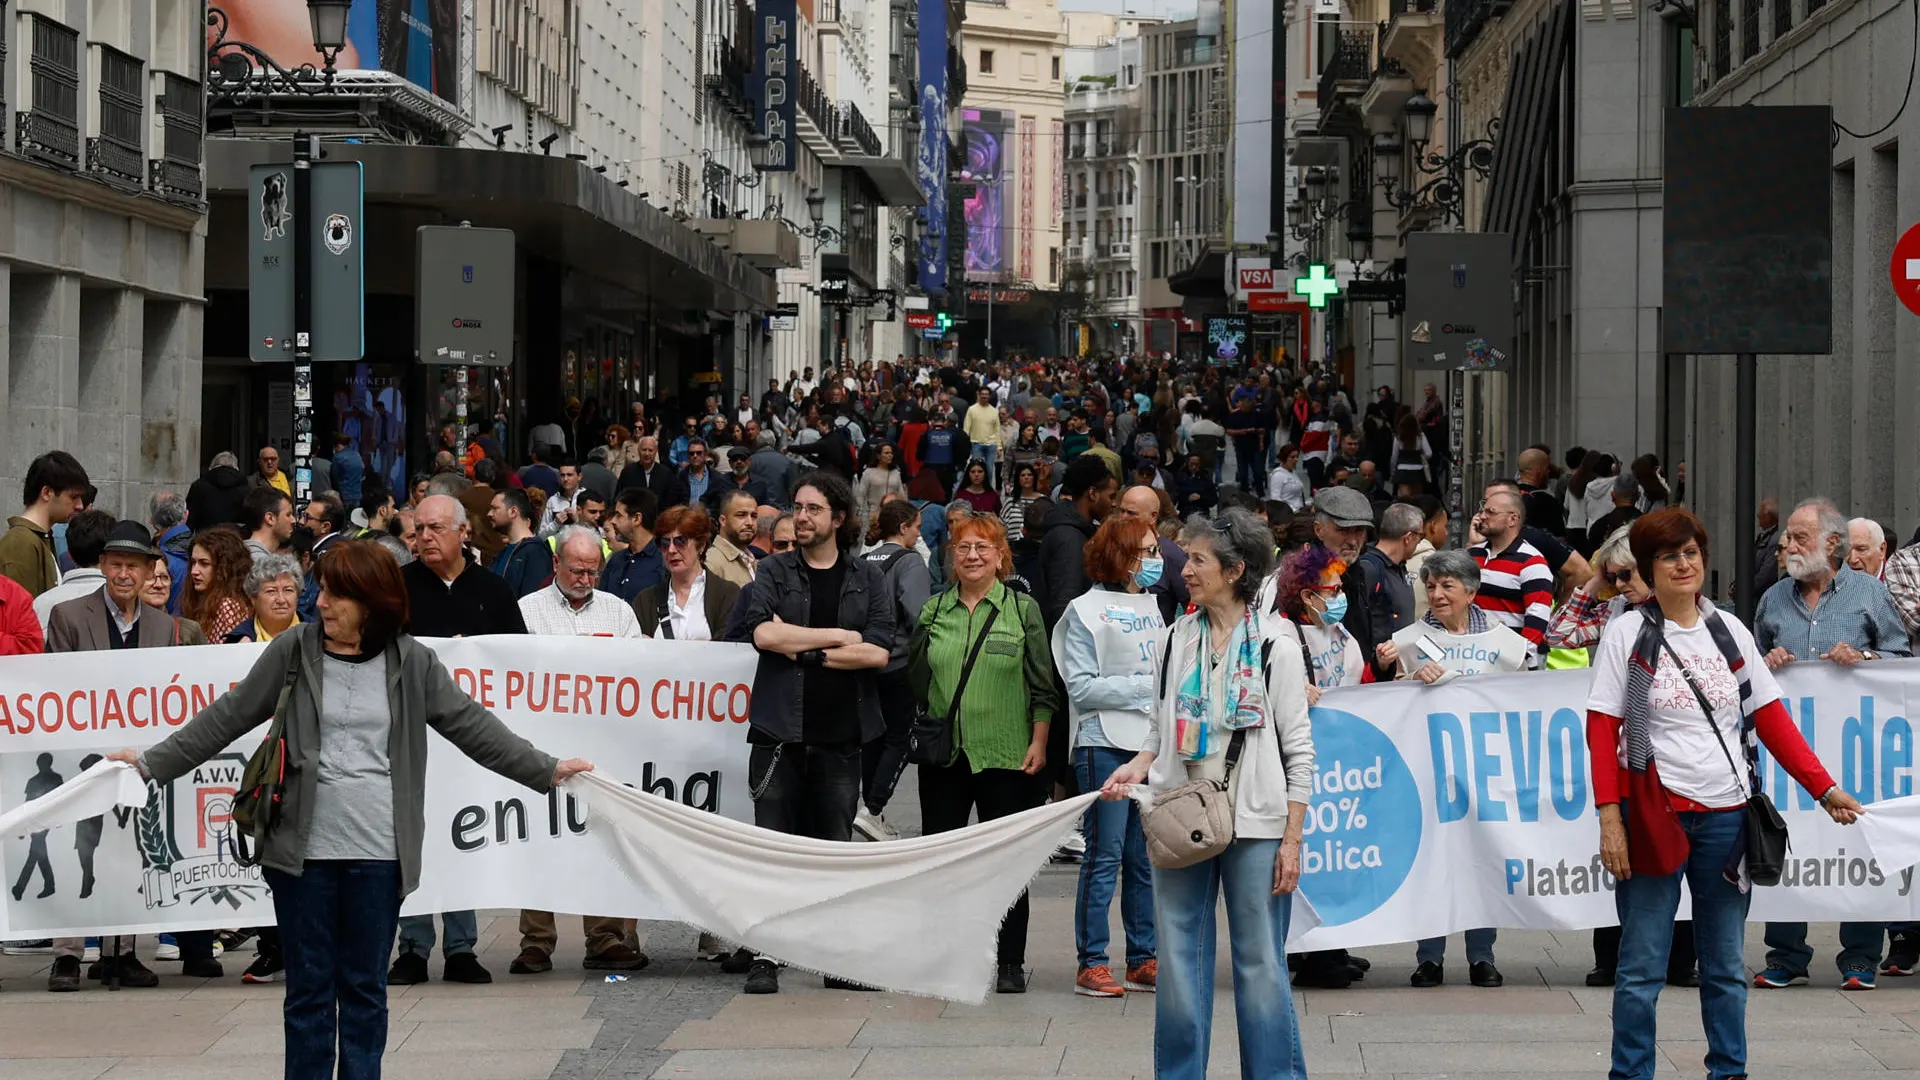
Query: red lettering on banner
[463, 678]
[516, 686]
[685, 698]
[621, 703]
[606, 691]
[545, 684]
[214, 810]
[583, 694]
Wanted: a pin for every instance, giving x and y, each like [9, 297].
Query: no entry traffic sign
[1905, 270]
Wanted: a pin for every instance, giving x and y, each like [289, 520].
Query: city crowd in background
[953, 540]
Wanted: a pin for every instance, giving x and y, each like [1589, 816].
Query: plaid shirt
[1579, 622]
[1902, 575]
[1854, 609]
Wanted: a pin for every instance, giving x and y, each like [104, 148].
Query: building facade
[1103, 121]
[102, 240]
[1186, 128]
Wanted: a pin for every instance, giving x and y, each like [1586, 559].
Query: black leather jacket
[780, 588]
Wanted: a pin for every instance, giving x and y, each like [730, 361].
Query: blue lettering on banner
[1468, 765]
[1875, 754]
[1363, 827]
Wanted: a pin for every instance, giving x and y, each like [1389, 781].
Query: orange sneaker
[1098, 981]
[1143, 977]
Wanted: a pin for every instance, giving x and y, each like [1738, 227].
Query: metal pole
[462, 382]
[1747, 375]
[305, 149]
[1456, 449]
[990, 318]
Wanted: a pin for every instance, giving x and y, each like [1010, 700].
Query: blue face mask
[1336, 610]
[1149, 573]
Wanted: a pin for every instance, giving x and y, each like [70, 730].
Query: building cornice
[81, 189]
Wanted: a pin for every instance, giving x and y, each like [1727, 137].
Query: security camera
[500, 136]
[546, 144]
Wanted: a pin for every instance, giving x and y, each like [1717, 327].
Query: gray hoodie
[910, 583]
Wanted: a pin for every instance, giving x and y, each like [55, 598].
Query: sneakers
[91, 953]
[465, 968]
[615, 958]
[202, 969]
[873, 826]
[41, 947]
[132, 974]
[763, 977]
[1072, 849]
[531, 961]
[739, 962]
[1098, 981]
[1428, 974]
[1774, 978]
[1011, 980]
[65, 977]
[407, 970]
[266, 968]
[1143, 977]
[711, 947]
[1485, 974]
[1903, 953]
[1860, 978]
[168, 950]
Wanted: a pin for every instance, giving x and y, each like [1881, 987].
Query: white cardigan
[1276, 765]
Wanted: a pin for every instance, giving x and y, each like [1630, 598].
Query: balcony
[1412, 37]
[817, 120]
[1348, 73]
[118, 154]
[856, 135]
[176, 172]
[766, 243]
[1465, 19]
[1390, 88]
[48, 130]
[1120, 249]
[729, 65]
[1077, 150]
[1106, 198]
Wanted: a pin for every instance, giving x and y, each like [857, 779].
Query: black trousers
[948, 797]
[885, 758]
[1682, 959]
[805, 790]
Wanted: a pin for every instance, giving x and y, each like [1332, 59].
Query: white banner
[1437, 808]
[667, 716]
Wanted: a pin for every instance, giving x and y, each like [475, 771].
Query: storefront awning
[556, 206]
[1207, 277]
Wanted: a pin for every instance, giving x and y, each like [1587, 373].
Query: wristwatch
[1869, 654]
[1822, 800]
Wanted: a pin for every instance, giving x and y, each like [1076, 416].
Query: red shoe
[1098, 981]
[1143, 977]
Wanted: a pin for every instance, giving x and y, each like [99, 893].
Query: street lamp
[329, 19]
[1420, 111]
[1387, 159]
[1446, 192]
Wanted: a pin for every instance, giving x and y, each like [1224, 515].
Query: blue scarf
[1197, 710]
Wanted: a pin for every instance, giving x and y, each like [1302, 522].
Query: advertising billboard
[416, 39]
[773, 59]
[989, 228]
[1227, 339]
[931, 160]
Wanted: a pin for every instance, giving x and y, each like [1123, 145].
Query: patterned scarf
[1198, 710]
[1640, 671]
[1476, 621]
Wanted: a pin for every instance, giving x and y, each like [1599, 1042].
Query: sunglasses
[783, 545]
[1619, 578]
[676, 541]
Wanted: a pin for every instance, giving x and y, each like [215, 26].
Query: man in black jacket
[1086, 496]
[823, 623]
[217, 496]
[649, 472]
[1387, 592]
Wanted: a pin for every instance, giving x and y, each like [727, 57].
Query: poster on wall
[371, 411]
[989, 230]
[1227, 339]
[418, 40]
[931, 162]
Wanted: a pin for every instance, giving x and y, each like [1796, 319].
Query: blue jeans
[1860, 945]
[986, 452]
[336, 925]
[1647, 906]
[416, 933]
[1479, 947]
[1116, 846]
[1184, 902]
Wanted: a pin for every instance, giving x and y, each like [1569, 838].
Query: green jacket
[1011, 688]
[26, 556]
[422, 694]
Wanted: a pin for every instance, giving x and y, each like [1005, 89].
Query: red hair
[1115, 548]
[691, 522]
[1661, 531]
[987, 527]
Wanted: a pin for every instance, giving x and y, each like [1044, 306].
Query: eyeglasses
[783, 545]
[1691, 553]
[676, 541]
[812, 509]
[973, 549]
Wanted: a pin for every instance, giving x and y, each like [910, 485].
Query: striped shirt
[1516, 589]
[1902, 578]
[1011, 687]
[1855, 609]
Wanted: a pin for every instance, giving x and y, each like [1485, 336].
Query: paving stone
[952, 1032]
[55, 1068]
[1477, 1058]
[482, 1036]
[949, 1060]
[786, 1064]
[793, 1031]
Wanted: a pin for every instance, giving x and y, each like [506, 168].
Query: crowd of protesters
[956, 540]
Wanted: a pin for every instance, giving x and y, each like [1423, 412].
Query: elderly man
[648, 472]
[572, 607]
[1825, 610]
[447, 596]
[1143, 502]
[267, 471]
[1867, 547]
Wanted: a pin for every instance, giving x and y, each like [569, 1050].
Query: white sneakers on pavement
[873, 826]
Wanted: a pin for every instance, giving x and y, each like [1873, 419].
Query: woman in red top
[976, 492]
[1672, 784]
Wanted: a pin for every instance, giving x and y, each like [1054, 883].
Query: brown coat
[80, 625]
[650, 607]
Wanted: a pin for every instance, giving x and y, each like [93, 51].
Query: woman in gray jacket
[909, 583]
[359, 697]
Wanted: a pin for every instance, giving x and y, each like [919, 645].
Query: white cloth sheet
[105, 785]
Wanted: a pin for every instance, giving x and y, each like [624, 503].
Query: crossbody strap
[966, 670]
[1706, 708]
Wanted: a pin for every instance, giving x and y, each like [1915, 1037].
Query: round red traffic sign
[1905, 270]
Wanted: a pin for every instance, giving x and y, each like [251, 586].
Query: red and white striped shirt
[1516, 588]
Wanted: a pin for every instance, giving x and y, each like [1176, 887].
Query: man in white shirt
[562, 504]
[571, 606]
[87, 533]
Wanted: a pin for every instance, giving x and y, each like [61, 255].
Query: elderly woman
[691, 605]
[1107, 646]
[273, 585]
[1000, 717]
[1234, 710]
[357, 695]
[1454, 638]
[1673, 795]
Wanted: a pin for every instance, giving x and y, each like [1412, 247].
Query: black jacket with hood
[1064, 533]
[216, 498]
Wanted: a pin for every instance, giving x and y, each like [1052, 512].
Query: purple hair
[1302, 570]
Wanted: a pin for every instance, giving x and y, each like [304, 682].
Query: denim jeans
[805, 790]
[336, 925]
[1647, 905]
[1184, 903]
[987, 452]
[1116, 858]
[416, 933]
[1479, 947]
[1860, 946]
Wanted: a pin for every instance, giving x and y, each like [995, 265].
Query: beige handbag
[1194, 822]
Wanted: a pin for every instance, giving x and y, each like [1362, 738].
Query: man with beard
[1824, 610]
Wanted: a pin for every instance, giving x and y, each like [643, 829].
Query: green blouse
[1011, 688]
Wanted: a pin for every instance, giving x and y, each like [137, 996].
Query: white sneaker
[1073, 848]
[91, 955]
[873, 826]
[166, 950]
[41, 947]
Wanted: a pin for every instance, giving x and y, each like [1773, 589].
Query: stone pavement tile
[1773, 1055]
[743, 1064]
[950, 1060]
[82, 1012]
[1893, 1051]
[953, 1032]
[584, 1064]
[1478, 1058]
[1037, 1002]
[104, 1038]
[502, 986]
[251, 1039]
[791, 1031]
[236, 1067]
[822, 1004]
[483, 1036]
[518, 1011]
[54, 1068]
[1440, 1000]
[1389, 1028]
[492, 1065]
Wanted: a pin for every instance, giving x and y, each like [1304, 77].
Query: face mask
[1336, 610]
[1149, 573]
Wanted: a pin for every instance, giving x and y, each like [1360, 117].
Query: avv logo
[1363, 827]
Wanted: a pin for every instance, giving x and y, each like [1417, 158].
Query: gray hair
[268, 568]
[449, 485]
[459, 510]
[1238, 539]
[1457, 565]
[1626, 487]
[1832, 523]
[1876, 533]
[1401, 519]
[166, 509]
[569, 533]
[224, 458]
[1614, 550]
[395, 547]
[767, 440]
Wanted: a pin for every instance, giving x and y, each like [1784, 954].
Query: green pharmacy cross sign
[1317, 286]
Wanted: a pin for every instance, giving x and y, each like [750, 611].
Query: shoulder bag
[1194, 822]
[263, 783]
[931, 742]
[1765, 839]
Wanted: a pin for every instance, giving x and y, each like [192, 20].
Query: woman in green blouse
[1001, 721]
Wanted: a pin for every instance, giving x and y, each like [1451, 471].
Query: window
[1056, 68]
[986, 61]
